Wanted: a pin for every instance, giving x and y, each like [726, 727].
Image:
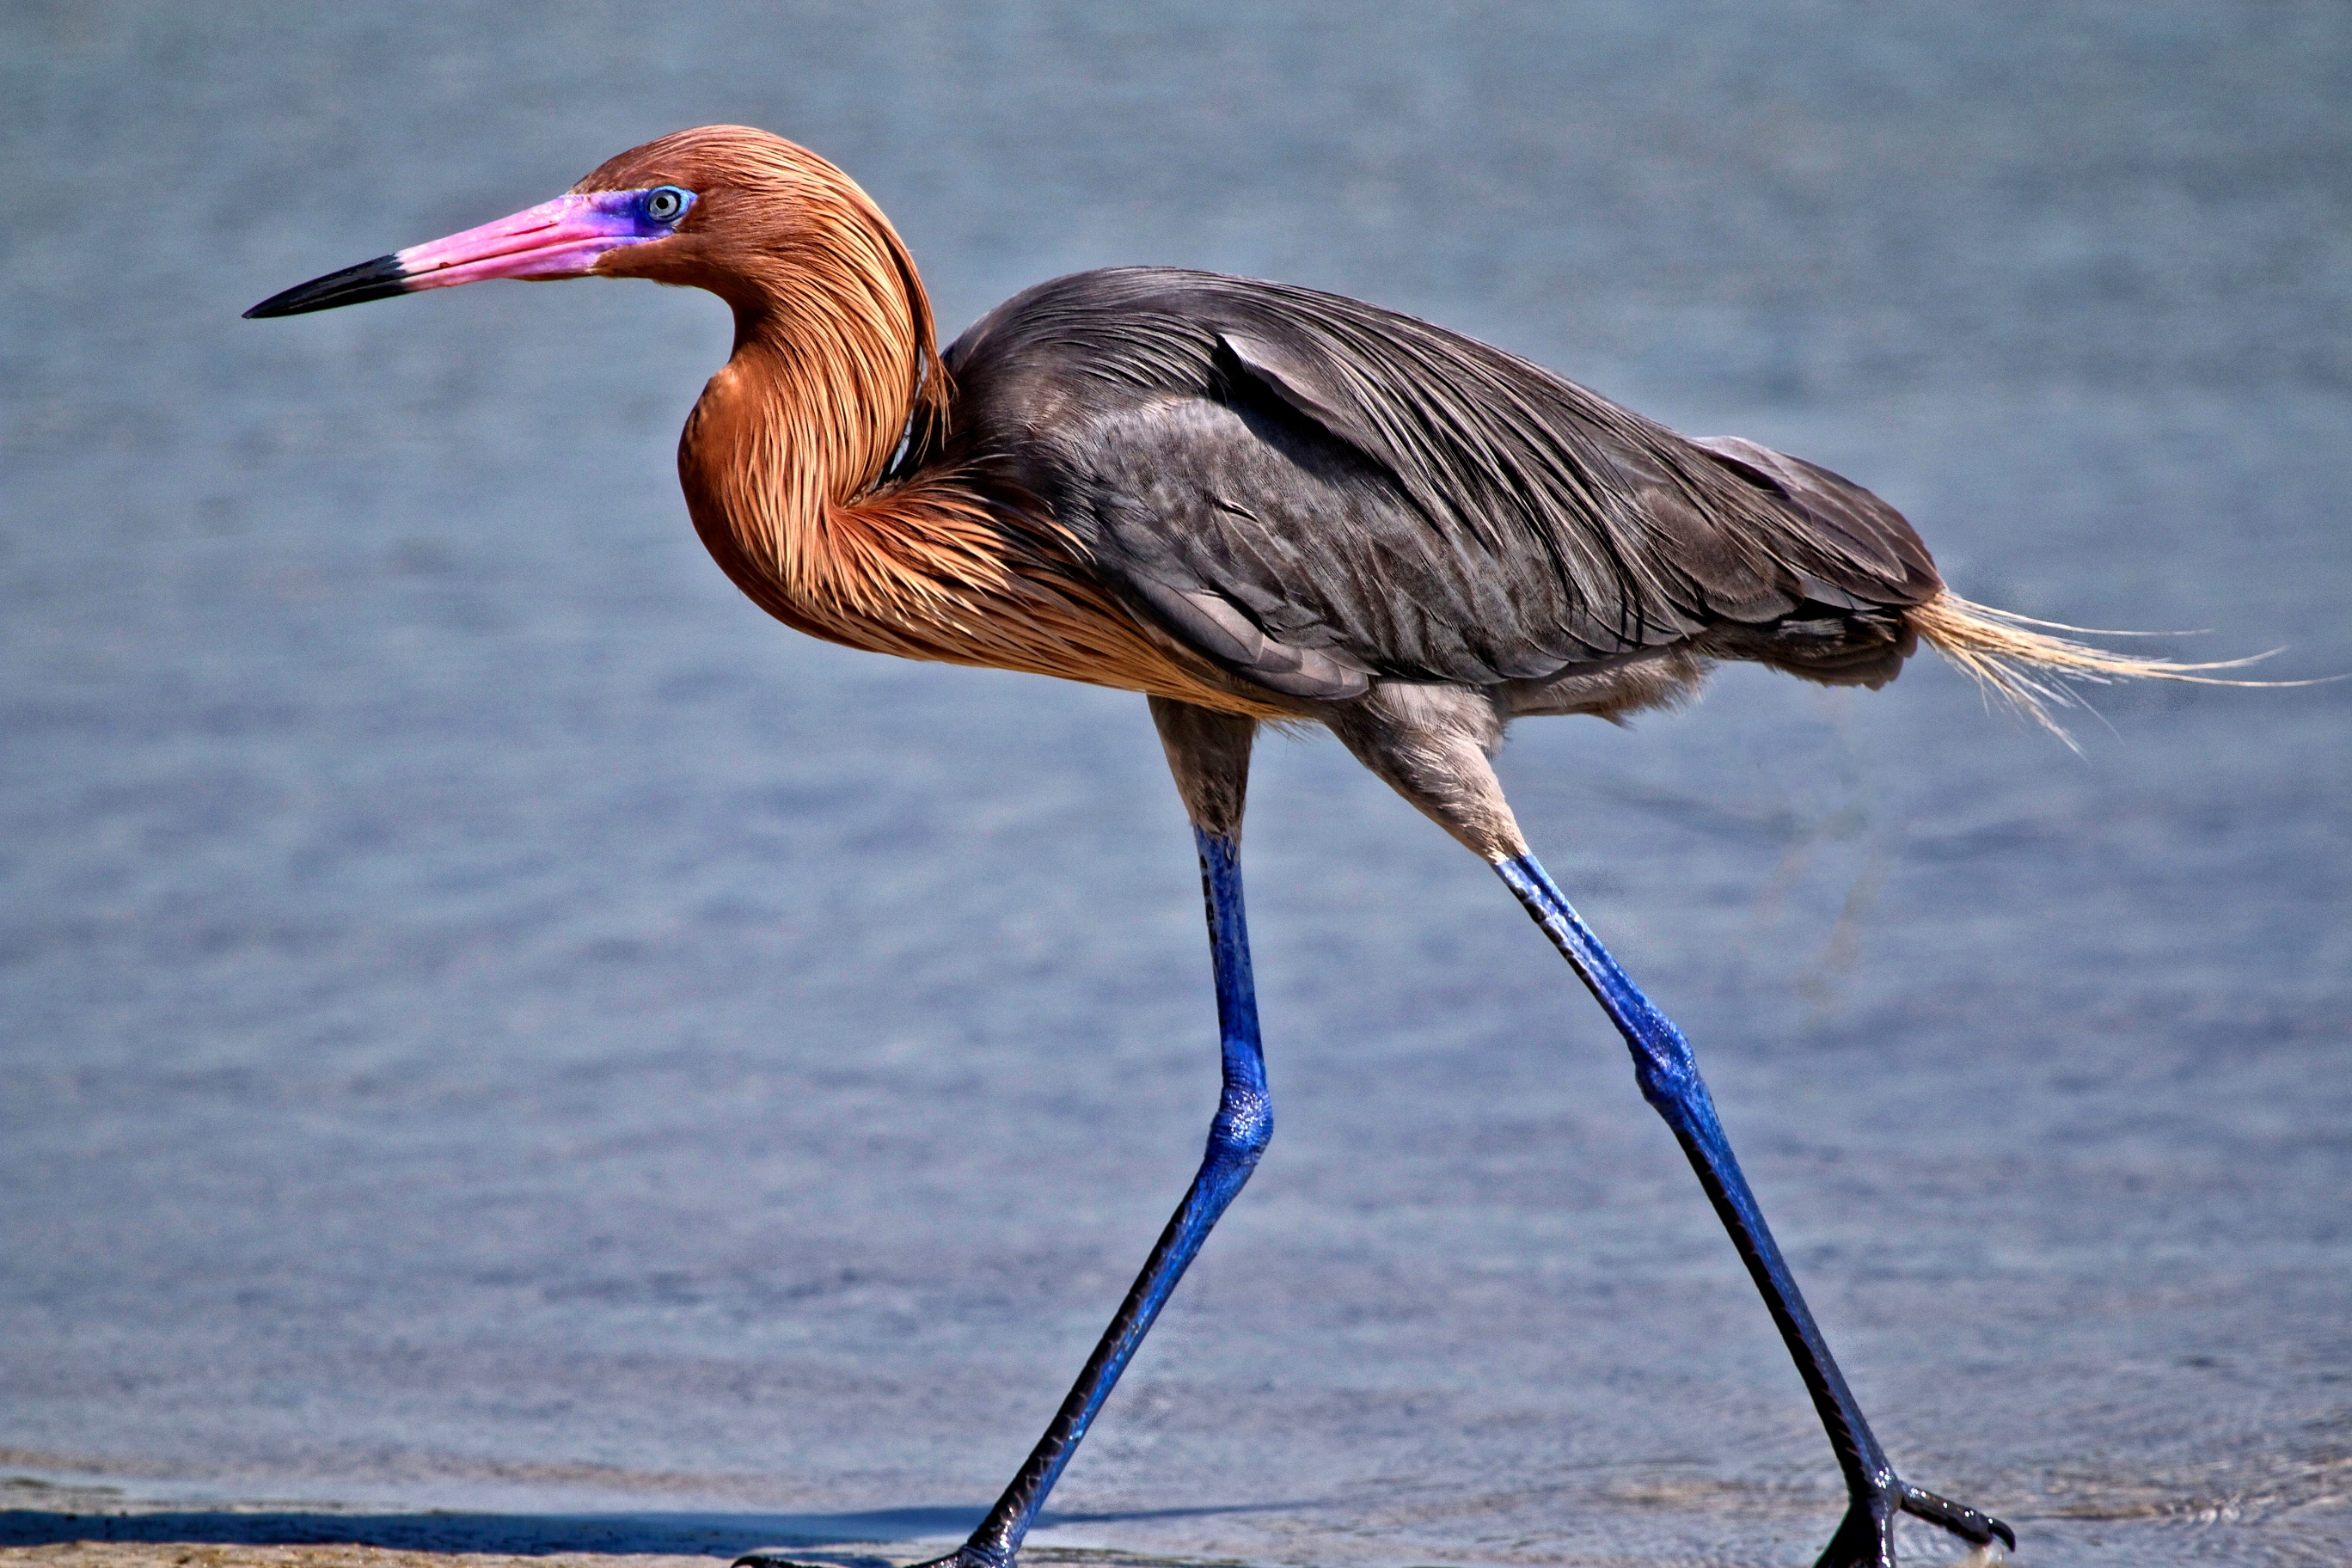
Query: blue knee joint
[1244, 1127]
[1666, 1070]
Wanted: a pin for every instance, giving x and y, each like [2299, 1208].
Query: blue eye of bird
[666, 203]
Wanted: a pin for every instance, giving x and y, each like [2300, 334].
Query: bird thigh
[1209, 752]
[1433, 744]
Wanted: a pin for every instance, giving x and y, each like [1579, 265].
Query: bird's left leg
[1209, 754]
[1431, 744]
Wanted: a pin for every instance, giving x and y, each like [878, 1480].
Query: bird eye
[666, 203]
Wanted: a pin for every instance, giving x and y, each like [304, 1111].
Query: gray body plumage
[1321, 496]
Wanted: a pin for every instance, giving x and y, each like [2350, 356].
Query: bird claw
[1867, 1537]
[1976, 1529]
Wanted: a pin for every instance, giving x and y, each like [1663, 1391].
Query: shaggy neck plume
[783, 464]
[833, 355]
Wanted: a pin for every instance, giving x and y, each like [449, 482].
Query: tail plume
[2016, 657]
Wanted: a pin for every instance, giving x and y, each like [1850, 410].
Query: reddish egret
[1251, 503]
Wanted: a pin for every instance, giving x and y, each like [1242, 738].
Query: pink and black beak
[562, 238]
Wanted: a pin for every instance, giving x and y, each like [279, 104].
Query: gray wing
[1314, 492]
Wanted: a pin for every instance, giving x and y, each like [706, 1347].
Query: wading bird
[1251, 502]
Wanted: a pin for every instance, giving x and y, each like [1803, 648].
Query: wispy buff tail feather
[2007, 656]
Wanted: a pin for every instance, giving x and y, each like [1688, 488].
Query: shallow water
[493, 1023]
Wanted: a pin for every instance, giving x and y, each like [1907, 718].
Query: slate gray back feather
[1313, 491]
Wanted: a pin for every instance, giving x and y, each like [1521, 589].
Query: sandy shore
[183, 1555]
[81, 1522]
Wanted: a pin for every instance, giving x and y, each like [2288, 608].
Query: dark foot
[1866, 1539]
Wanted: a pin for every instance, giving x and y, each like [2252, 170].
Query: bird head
[723, 207]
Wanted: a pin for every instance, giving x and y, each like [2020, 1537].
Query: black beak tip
[378, 279]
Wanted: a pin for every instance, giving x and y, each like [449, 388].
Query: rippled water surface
[492, 1022]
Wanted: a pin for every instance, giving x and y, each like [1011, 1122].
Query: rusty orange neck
[782, 465]
[781, 462]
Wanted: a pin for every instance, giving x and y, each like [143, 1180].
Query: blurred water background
[492, 1022]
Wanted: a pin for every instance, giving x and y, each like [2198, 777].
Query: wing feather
[1314, 492]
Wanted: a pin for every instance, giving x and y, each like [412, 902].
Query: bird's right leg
[1209, 754]
[1431, 744]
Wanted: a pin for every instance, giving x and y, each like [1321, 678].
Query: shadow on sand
[843, 1539]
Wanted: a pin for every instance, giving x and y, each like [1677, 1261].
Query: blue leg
[1669, 1078]
[1237, 1137]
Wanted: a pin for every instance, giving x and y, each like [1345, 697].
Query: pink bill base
[562, 238]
